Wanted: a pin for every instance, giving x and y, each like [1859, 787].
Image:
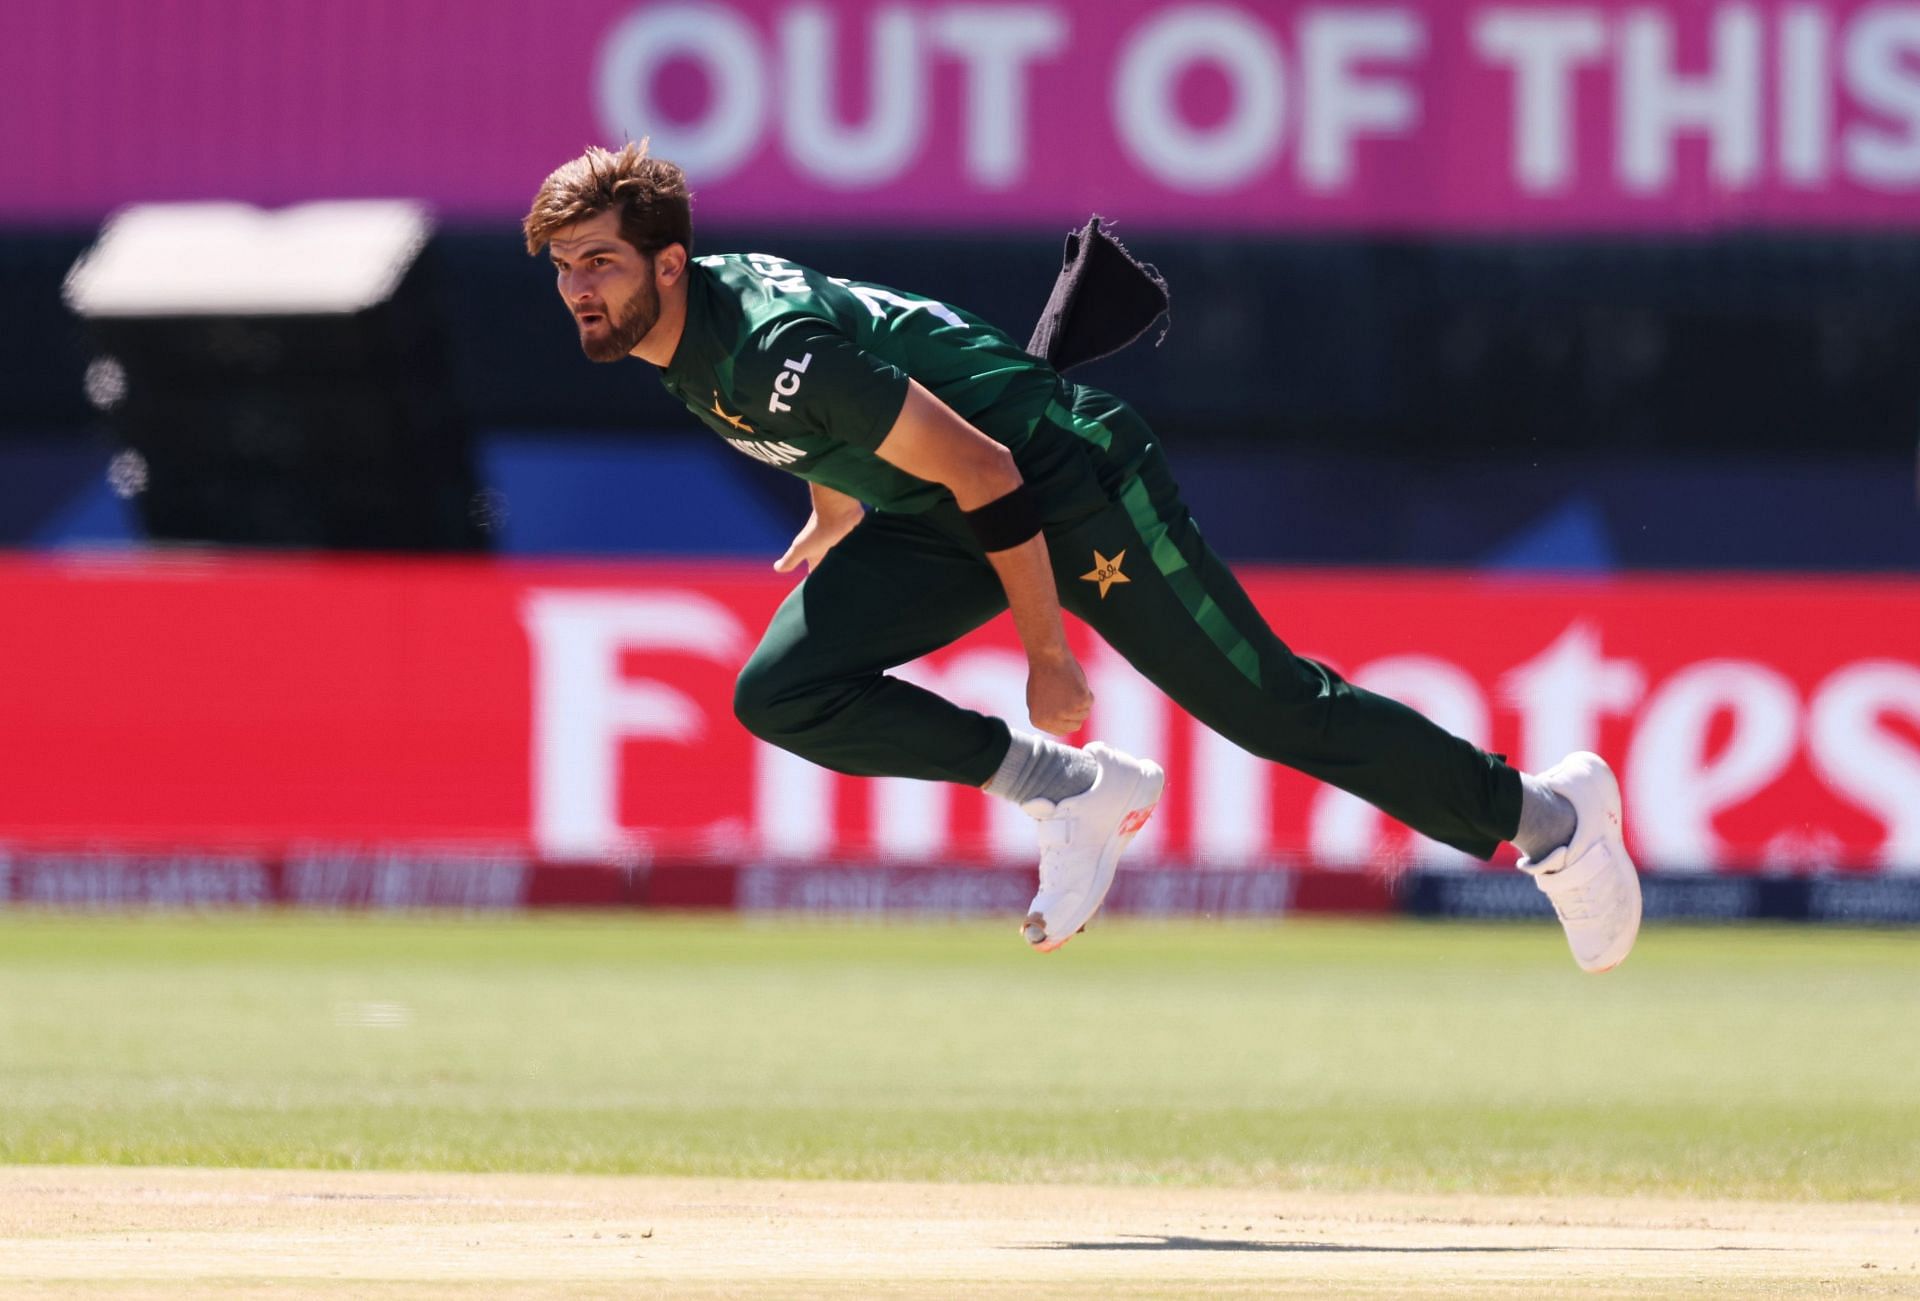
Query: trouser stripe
[1167, 557]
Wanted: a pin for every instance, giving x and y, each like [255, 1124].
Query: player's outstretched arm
[834, 515]
[930, 441]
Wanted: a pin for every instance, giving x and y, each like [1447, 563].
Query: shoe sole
[1141, 801]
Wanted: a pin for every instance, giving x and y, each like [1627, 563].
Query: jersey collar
[699, 344]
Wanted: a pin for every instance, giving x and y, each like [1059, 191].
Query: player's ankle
[1546, 819]
[1041, 768]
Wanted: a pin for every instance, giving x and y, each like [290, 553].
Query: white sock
[1038, 767]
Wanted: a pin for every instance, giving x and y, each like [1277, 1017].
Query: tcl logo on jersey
[787, 383]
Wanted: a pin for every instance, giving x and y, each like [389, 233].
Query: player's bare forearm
[830, 504]
[1058, 699]
[1027, 575]
[930, 441]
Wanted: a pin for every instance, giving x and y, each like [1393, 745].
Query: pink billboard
[1468, 115]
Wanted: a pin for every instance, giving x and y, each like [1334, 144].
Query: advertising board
[1462, 115]
[582, 713]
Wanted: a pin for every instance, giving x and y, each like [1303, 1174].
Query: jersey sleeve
[805, 376]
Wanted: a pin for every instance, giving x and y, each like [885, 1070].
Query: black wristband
[1005, 521]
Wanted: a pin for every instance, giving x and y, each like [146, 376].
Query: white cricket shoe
[1591, 881]
[1081, 839]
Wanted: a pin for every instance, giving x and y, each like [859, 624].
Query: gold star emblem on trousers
[1106, 572]
[731, 419]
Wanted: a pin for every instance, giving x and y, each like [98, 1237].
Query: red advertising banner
[321, 710]
[1416, 114]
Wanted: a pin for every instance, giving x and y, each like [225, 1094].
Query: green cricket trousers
[900, 586]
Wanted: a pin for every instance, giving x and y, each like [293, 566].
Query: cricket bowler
[954, 475]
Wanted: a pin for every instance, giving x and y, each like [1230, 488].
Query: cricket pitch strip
[89, 1231]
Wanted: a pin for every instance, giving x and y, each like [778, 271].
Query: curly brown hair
[651, 194]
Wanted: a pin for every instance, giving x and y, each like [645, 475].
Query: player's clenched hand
[1058, 700]
[815, 538]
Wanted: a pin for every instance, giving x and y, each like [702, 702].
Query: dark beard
[624, 335]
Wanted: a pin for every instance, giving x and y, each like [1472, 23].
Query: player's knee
[753, 700]
[769, 706]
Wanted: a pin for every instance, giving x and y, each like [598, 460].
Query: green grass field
[1747, 1063]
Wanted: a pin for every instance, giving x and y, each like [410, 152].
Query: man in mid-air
[954, 476]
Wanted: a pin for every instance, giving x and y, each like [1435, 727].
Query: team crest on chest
[728, 416]
[1106, 572]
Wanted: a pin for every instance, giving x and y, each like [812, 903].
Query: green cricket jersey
[808, 373]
